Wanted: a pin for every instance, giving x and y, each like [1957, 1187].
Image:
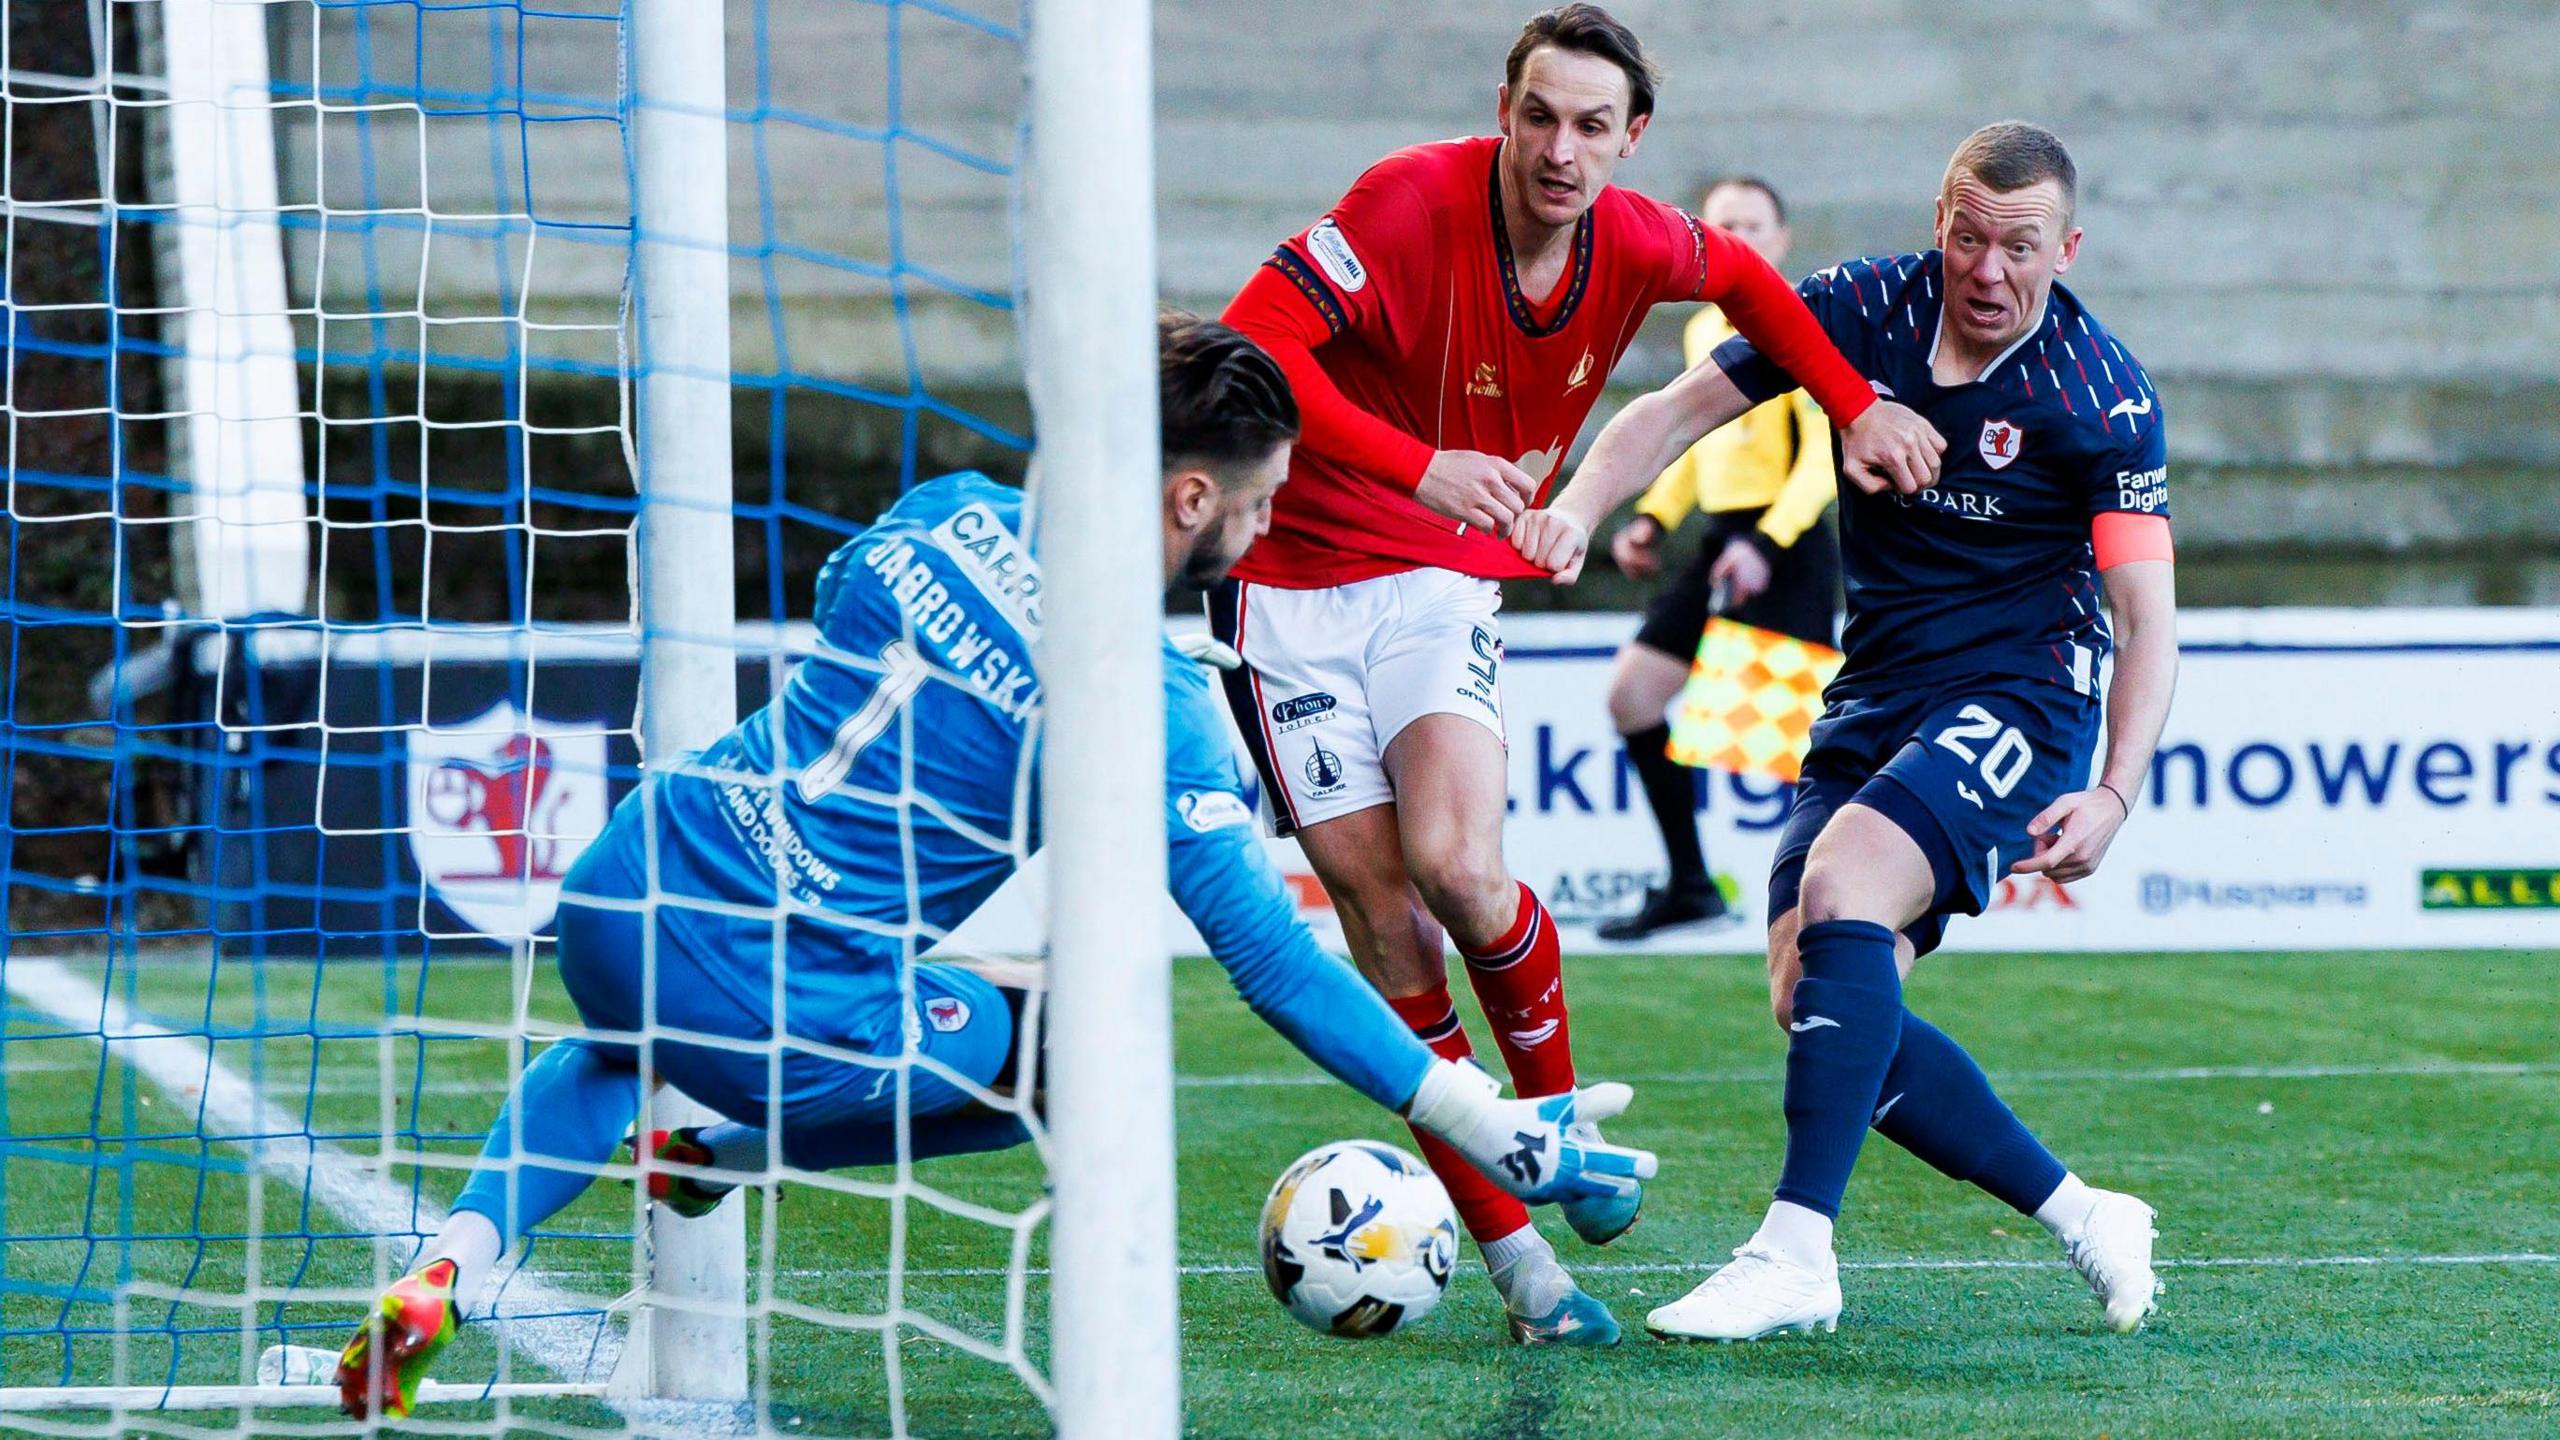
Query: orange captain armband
[2121, 536]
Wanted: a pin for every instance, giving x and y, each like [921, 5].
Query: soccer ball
[1358, 1239]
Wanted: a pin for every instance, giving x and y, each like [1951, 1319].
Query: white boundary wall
[2316, 762]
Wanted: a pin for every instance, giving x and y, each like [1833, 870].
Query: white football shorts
[1332, 676]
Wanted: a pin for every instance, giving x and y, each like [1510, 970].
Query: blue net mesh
[278, 884]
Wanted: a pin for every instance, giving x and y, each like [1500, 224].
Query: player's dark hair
[1746, 182]
[1223, 399]
[1589, 30]
[2013, 155]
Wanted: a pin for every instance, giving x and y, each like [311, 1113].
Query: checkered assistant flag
[1751, 701]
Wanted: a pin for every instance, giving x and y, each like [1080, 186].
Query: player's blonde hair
[2012, 155]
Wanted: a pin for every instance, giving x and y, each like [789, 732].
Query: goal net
[424, 418]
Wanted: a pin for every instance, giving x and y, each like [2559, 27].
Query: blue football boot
[1577, 1319]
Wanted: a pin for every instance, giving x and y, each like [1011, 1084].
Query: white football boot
[2111, 1248]
[1759, 1293]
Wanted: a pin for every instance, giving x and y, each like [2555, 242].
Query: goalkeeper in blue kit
[846, 828]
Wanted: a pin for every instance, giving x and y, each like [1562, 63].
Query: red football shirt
[1407, 293]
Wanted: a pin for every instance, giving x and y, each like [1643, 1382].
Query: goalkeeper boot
[1760, 1293]
[379, 1371]
[685, 1195]
[1599, 1219]
[2111, 1248]
[1574, 1319]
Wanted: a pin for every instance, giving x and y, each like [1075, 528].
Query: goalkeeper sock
[733, 1146]
[472, 1242]
[577, 1100]
[869, 1141]
[1847, 1024]
[1519, 979]
[1525, 1270]
[1672, 793]
[1937, 1104]
[1486, 1209]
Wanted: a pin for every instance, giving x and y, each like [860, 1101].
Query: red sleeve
[1364, 269]
[1277, 312]
[2121, 537]
[1765, 308]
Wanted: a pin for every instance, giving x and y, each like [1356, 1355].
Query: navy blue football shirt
[1990, 572]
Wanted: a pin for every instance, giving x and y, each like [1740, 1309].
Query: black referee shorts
[1802, 600]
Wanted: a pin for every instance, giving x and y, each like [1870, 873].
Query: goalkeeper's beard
[1205, 563]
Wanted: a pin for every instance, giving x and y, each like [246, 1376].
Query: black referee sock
[1669, 789]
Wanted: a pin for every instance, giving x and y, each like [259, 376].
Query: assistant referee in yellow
[1764, 483]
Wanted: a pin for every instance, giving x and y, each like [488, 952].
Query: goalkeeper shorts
[846, 1026]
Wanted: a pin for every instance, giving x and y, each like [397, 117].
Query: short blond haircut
[2013, 155]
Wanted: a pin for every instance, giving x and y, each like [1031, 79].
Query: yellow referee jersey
[1777, 455]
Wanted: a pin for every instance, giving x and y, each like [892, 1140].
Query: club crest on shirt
[2000, 442]
[946, 1014]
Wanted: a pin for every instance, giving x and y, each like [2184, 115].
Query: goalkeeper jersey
[892, 785]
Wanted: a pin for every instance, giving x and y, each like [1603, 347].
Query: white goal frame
[1089, 277]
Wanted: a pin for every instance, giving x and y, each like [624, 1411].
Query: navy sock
[1848, 1023]
[1937, 1104]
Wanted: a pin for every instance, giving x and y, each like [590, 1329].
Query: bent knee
[1826, 895]
[1466, 889]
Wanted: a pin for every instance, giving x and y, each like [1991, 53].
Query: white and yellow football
[1358, 1239]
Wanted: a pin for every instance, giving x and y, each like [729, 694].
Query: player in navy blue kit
[840, 832]
[1956, 743]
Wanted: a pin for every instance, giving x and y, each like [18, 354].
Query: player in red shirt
[1447, 327]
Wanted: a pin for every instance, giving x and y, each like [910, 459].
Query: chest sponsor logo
[1999, 443]
[1332, 252]
[2142, 490]
[1962, 504]
[1540, 465]
[1299, 711]
[1581, 372]
[499, 807]
[1486, 383]
[2531, 889]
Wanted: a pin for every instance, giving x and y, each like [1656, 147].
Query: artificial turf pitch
[2356, 1159]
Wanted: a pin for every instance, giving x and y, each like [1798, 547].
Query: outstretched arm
[2073, 833]
[1639, 443]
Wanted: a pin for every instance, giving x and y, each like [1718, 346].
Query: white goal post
[1091, 355]
[249, 378]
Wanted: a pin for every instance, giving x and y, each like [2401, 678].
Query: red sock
[1519, 980]
[1488, 1212]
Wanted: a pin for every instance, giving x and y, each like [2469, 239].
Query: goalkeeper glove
[1543, 1150]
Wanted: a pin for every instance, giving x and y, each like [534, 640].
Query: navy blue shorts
[1960, 766]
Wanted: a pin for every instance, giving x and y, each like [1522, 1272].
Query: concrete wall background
[2332, 230]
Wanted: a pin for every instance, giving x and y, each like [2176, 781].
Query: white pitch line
[183, 1067]
[2447, 1069]
[1668, 1267]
